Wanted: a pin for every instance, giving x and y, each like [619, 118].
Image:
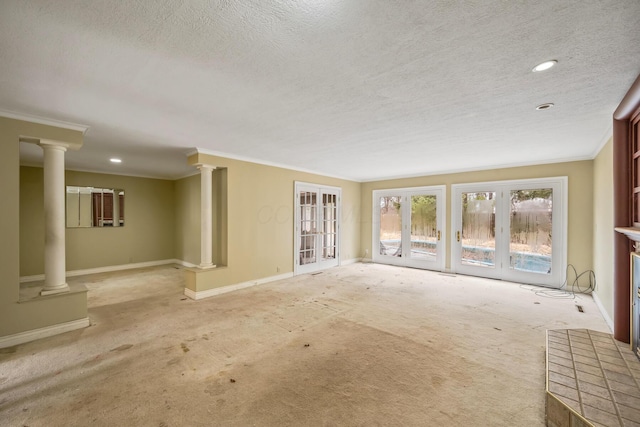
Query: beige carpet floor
[360, 345]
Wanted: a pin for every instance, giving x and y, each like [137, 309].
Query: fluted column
[54, 222]
[206, 216]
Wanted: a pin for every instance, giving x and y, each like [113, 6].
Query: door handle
[458, 235]
[438, 234]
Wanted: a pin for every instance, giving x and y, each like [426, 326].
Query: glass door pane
[515, 232]
[408, 224]
[424, 228]
[530, 241]
[390, 226]
[329, 226]
[308, 227]
[478, 229]
[317, 227]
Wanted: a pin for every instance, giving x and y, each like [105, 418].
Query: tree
[423, 215]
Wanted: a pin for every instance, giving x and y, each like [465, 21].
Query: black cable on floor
[566, 292]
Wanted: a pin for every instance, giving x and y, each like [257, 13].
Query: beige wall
[253, 216]
[187, 212]
[148, 233]
[603, 233]
[19, 317]
[260, 210]
[187, 215]
[149, 220]
[253, 213]
[580, 202]
[31, 221]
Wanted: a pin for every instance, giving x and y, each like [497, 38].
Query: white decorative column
[206, 216]
[54, 223]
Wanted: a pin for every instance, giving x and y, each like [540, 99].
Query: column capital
[204, 166]
[54, 145]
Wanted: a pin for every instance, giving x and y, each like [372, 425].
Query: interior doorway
[317, 227]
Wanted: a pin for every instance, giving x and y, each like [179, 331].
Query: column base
[57, 290]
[205, 266]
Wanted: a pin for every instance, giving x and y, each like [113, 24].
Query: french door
[317, 222]
[408, 227]
[511, 230]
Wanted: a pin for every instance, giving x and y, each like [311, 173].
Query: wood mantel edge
[632, 233]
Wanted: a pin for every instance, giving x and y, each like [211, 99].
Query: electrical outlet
[277, 269]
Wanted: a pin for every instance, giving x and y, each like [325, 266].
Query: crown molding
[265, 163]
[44, 121]
[482, 168]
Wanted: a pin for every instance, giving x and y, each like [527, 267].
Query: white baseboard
[109, 268]
[184, 263]
[230, 288]
[602, 310]
[47, 331]
[350, 261]
[34, 278]
[366, 260]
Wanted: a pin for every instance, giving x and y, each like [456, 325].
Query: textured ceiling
[362, 89]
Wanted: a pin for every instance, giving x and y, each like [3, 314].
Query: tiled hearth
[592, 380]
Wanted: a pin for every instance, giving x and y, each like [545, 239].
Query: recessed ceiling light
[544, 66]
[114, 160]
[544, 106]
